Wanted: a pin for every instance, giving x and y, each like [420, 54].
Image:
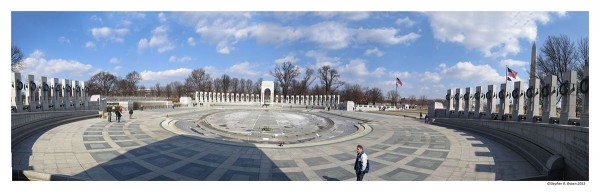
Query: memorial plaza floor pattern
[139, 149]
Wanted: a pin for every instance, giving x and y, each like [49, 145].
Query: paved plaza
[142, 148]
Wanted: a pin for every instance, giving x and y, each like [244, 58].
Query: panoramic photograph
[300, 96]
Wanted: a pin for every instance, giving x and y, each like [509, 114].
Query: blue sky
[430, 51]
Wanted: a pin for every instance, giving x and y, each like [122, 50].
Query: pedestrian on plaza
[120, 108]
[109, 114]
[118, 113]
[420, 115]
[130, 113]
[361, 165]
[426, 118]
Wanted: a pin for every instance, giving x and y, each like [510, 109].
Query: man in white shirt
[361, 163]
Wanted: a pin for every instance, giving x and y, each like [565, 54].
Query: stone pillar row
[212, 97]
[43, 95]
[470, 104]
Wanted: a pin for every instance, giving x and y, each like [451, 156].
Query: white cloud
[191, 41]
[38, 65]
[274, 34]
[513, 63]
[159, 40]
[351, 15]
[321, 59]
[165, 76]
[492, 33]
[375, 51]
[355, 15]
[289, 58]
[244, 68]
[358, 67]
[184, 59]
[96, 18]
[162, 17]
[64, 40]
[471, 74]
[224, 29]
[430, 77]
[114, 60]
[404, 21]
[90, 45]
[384, 36]
[106, 33]
[329, 35]
[142, 44]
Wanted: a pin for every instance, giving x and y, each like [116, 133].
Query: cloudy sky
[429, 51]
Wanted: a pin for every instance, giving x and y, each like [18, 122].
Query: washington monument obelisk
[533, 57]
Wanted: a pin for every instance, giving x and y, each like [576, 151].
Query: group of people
[426, 117]
[118, 111]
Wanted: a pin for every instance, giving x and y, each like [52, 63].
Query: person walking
[426, 119]
[118, 113]
[109, 115]
[361, 165]
[130, 113]
[420, 115]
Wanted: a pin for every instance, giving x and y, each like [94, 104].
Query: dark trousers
[359, 177]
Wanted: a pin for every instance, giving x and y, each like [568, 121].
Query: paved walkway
[141, 149]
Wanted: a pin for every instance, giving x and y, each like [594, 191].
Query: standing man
[130, 112]
[361, 164]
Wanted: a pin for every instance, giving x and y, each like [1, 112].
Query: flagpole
[396, 80]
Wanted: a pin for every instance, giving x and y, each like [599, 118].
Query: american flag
[398, 82]
[512, 73]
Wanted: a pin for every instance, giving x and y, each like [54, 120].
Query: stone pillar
[30, 88]
[467, 98]
[569, 96]
[43, 90]
[55, 100]
[75, 92]
[533, 99]
[338, 99]
[548, 93]
[17, 87]
[458, 105]
[504, 95]
[449, 102]
[84, 95]
[66, 92]
[584, 88]
[491, 100]
[518, 101]
[477, 98]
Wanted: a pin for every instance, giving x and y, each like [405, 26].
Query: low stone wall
[537, 142]
[23, 125]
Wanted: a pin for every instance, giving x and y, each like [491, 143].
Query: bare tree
[16, 59]
[198, 80]
[242, 85]
[249, 86]
[583, 48]
[422, 101]
[168, 90]
[158, 89]
[284, 74]
[226, 83]
[102, 83]
[374, 94]
[393, 97]
[217, 84]
[329, 79]
[178, 88]
[132, 79]
[352, 93]
[235, 85]
[304, 85]
[257, 86]
[560, 55]
[412, 100]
